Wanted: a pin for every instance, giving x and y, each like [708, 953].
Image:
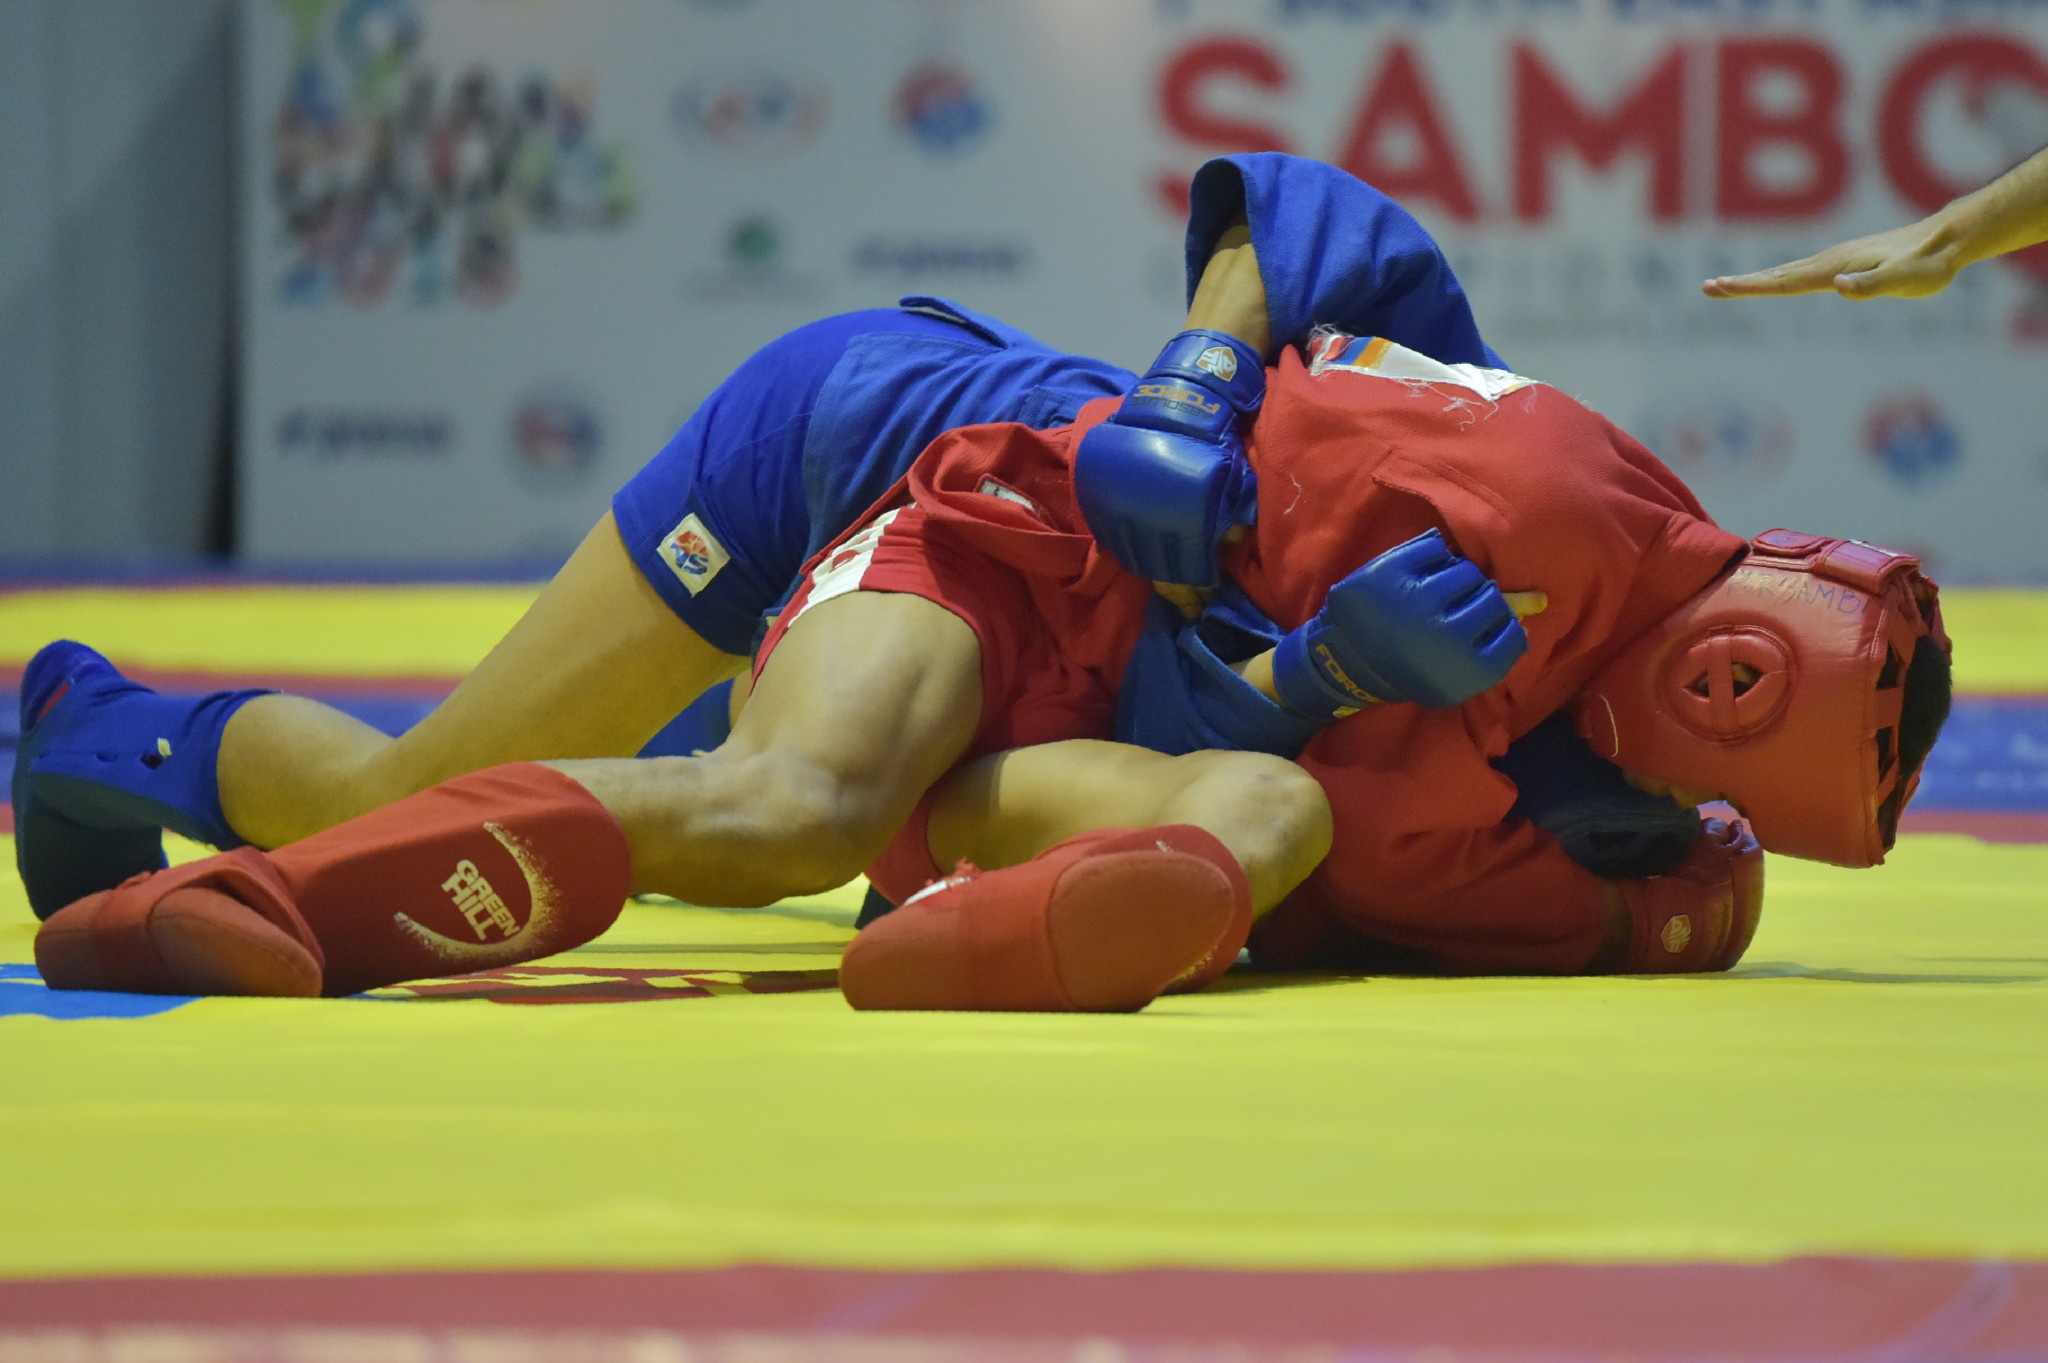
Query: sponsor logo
[1713, 436]
[1911, 440]
[918, 258]
[337, 435]
[753, 269]
[1677, 933]
[1219, 360]
[693, 554]
[939, 107]
[474, 898]
[480, 905]
[1334, 670]
[1179, 395]
[1804, 590]
[557, 438]
[763, 113]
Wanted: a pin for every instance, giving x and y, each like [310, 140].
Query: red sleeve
[1422, 859]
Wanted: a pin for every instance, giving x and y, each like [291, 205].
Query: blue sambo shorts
[809, 432]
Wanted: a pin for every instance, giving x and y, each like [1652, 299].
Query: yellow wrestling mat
[1873, 1081]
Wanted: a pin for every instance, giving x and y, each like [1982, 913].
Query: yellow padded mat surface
[1873, 1080]
[345, 631]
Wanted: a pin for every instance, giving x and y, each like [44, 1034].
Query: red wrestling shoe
[1102, 923]
[487, 870]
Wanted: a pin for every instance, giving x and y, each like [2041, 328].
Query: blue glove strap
[1313, 684]
[1220, 362]
[1198, 388]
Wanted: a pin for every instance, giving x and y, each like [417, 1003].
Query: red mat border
[1837, 1307]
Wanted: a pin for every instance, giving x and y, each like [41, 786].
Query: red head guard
[1809, 751]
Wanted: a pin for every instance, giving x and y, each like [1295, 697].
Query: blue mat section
[23, 994]
[1993, 755]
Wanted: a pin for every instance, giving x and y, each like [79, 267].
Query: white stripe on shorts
[841, 573]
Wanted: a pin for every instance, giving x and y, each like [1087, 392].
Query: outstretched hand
[1907, 262]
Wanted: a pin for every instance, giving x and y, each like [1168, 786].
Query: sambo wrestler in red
[1359, 448]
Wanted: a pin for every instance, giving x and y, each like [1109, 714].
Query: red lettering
[1549, 118]
[1746, 128]
[1183, 104]
[1979, 60]
[1184, 88]
[1399, 98]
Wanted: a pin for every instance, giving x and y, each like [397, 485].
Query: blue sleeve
[1334, 251]
[1605, 824]
[1179, 694]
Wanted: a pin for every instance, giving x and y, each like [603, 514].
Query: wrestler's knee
[1272, 815]
[1274, 795]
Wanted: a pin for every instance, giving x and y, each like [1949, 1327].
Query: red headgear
[1809, 751]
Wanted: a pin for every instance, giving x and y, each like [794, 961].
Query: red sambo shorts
[1031, 692]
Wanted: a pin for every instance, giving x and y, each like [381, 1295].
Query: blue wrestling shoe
[103, 766]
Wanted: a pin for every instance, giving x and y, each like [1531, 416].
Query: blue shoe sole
[72, 838]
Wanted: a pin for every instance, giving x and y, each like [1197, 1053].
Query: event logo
[384, 175]
[764, 113]
[938, 105]
[1720, 437]
[1745, 126]
[330, 436]
[556, 438]
[1910, 438]
[910, 258]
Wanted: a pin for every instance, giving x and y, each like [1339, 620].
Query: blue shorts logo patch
[693, 554]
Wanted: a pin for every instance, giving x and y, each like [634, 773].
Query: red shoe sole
[208, 943]
[1126, 925]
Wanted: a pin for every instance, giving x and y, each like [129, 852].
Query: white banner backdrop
[496, 250]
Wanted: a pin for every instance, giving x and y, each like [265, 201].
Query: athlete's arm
[1920, 258]
[1231, 297]
[1329, 250]
[1276, 245]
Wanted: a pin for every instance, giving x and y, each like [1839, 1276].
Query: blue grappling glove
[1417, 623]
[1165, 477]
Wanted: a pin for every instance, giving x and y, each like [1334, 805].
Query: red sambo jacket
[1357, 449]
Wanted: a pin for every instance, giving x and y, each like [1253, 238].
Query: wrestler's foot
[223, 925]
[103, 765]
[485, 870]
[1104, 922]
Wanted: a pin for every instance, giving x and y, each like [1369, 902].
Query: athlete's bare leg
[1007, 808]
[595, 668]
[866, 701]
